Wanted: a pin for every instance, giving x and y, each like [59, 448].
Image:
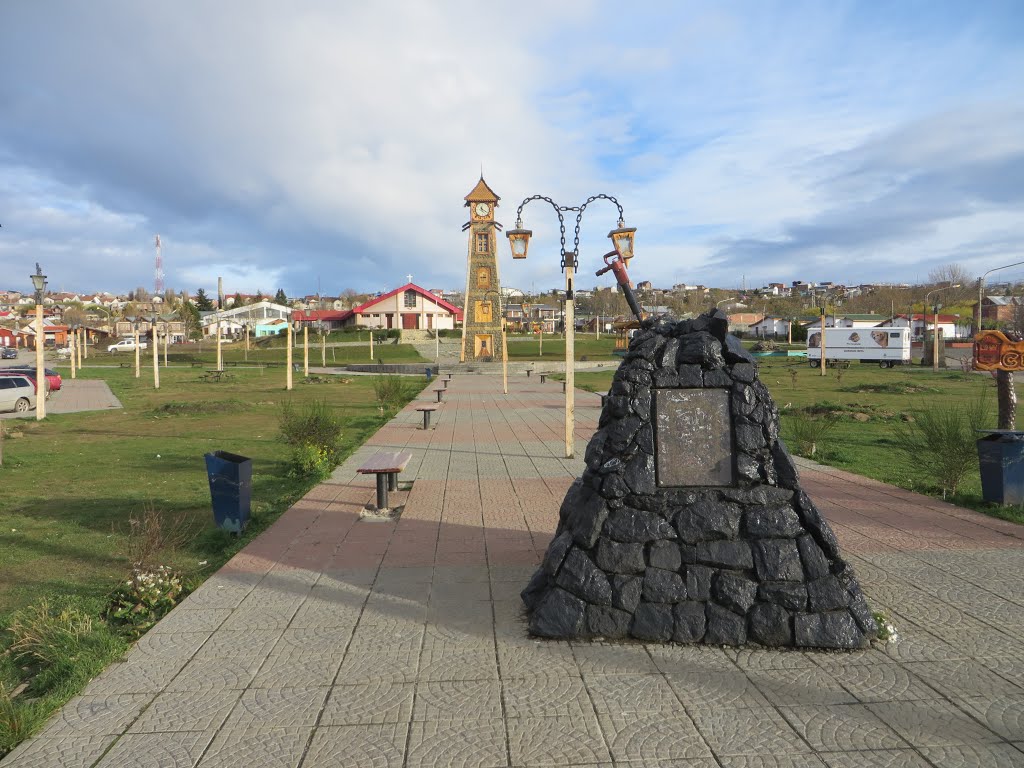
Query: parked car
[126, 345]
[11, 373]
[17, 393]
[8, 353]
[52, 377]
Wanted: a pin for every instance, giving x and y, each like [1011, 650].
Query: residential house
[1000, 309]
[770, 328]
[319, 320]
[408, 307]
[918, 323]
[270, 327]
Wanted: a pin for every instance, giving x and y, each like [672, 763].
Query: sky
[324, 146]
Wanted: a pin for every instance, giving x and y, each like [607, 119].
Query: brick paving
[338, 641]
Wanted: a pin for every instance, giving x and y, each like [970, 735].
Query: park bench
[543, 378]
[386, 466]
[215, 375]
[426, 410]
[440, 392]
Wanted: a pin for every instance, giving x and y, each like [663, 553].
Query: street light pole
[935, 323]
[981, 288]
[519, 241]
[39, 284]
[504, 341]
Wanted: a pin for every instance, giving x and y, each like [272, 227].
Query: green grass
[868, 404]
[71, 482]
[523, 348]
[235, 354]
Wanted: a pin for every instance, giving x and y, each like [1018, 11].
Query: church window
[410, 299]
[483, 242]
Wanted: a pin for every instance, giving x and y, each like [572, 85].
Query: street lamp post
[71, 349]
[135, 336]
[504, 341]
[39, 284]
[519, 241]
[935, 323]
[981, 288]
[156, 351]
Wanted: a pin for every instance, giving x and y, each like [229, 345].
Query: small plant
[153, 533]
[41, 634]
[807, 433]
[310, 460]
[792, 377]
[144, 599]
[941, 442]
[886, 630]
[315, 424]
[391, 394]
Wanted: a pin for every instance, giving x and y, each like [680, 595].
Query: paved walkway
[336, 641]
[75, 395]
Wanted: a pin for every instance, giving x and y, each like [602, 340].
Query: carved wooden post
[1007, 397]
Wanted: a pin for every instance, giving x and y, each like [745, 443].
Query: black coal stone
[724, 627]
[690, 622]
[653, 621]
[664, 554]
[615, 557]
[734, 591]
[611, 623]
[661, 586]
[715, 564]
[836, 629]
[770, 625]
[626, 592]
[630, 524]
[582, 578]
[559, 614]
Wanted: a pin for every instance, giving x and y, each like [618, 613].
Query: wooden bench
[440, 391]
[215, 375]
[528, 372]
[386, 466]
[426, 410]
[543, 378]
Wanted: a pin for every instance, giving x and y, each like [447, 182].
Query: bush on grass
[391, 393]
[314, 432]
[807, 434]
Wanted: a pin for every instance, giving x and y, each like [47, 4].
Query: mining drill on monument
[689, 523]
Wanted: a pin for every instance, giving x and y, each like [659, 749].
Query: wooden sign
[994, 352]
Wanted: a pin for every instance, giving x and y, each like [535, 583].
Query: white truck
[126, 345]
[886, 346]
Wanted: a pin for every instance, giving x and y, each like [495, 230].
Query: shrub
[41, 634]
[941, 442]
[391, 394]
[311, 461]
[806, 433]
[314, 424]
[144, 599]
[153, 533]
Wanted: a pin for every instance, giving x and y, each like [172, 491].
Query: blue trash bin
[230, 478]
[430, 374]
[1001, 462]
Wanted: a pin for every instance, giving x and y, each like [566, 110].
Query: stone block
[621, 432]
[735, 352]
[667, 356]
[626, 592]
[536, 589]
[708, 521]
[724, 627]
[716, 379]
[630, 524]
[698, 582]
[559, 614]
[690, 622]
[701, 349]
[664, 379]
[689, 376]
[582, 578]
[653, 621]
[750, 438]
[836, 629]
[557, 550]
[745, 372]
[733, 591]
[664, 554]
[814, 560]
[639, 474]
[602, 621]
[770, 625]
[661, 586]
[615, 557]
[861, 612]
[641, 403]
[817, 526]
[727, 554]
[748, 468]
[778, 522]
[827, 594]
[777, 560]
[585, 520]
[785, 468]
[786, 594]
[594, 455]
[613, 487]
[645, 439]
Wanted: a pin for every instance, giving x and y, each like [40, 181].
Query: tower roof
[482, 193]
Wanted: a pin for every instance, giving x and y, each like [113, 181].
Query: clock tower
[482, 314]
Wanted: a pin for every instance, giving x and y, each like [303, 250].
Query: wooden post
[935, 339]
[40, 368]
[246, 357]
[323, 350]
[823, 341]
[83, 346]
[504, 358]
[156, 358]
[138, 355]
[220, 352]
[305, 351]
[371, 345]
[570, 363]
[167, 343]
[288, 363]
[71, 346]
[1007, 400]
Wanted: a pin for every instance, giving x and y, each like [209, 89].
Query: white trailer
[886, 346]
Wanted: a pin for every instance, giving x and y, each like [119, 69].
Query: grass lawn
[523, 348]
[71, 482]
[235, 353]
[869, 404]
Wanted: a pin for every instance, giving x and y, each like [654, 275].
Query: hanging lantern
[622, 239]
[519, 240]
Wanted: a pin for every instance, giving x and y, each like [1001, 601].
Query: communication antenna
[158, 282]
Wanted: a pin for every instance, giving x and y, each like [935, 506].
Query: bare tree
[953, 274]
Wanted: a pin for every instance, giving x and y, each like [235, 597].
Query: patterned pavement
[339, 641]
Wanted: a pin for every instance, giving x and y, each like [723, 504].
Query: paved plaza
[333, 640]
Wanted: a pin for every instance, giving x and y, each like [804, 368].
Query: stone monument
[689, 524]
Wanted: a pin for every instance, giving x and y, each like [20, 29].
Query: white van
[17, 393]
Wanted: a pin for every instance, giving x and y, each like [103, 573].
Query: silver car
[17, 393]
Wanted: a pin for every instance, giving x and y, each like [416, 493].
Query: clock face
[482, 209]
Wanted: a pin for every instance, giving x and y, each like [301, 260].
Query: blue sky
[324, 146]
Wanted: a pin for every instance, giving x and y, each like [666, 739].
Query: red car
[52, 376]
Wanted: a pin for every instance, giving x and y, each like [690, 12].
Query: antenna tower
[158, 282]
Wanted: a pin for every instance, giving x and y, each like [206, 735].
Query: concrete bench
[386, 466]
[426, 410]
[440, 392]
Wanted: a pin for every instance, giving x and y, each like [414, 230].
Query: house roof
[321, 314]
[362, 308]
[871, 317]
[481, 192]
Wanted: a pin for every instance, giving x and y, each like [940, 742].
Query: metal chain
[559, 210]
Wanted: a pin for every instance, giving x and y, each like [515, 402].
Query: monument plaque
[693, 437]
